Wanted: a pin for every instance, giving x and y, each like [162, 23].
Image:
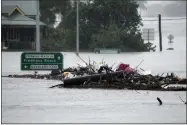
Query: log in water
[113, 80]
[94, 78]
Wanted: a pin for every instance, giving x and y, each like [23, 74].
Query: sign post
[148, 34]
[38, 27]
[41, 61]
[170, 37]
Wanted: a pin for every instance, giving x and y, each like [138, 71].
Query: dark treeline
[103, 24]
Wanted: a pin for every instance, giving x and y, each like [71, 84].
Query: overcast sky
[159, 2]
[166, 8]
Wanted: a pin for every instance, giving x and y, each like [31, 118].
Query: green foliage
[59, 40]
[103, 23]
[107, 38]
[48, 9]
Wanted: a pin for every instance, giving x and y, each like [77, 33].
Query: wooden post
[148, 39]
[38, 27]
[148, 35]
[160, 31]
[77, 29]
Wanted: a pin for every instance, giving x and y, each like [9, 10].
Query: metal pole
[148, 35]
[160, 31]
[38, 27]
[77, 33]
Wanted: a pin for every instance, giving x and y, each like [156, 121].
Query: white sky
[149, 3]
[159, 2]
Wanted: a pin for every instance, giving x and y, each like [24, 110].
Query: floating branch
[159, 100]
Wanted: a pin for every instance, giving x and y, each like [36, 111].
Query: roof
[3, 17]
[10, 8]
[29, 7]
[19, 20]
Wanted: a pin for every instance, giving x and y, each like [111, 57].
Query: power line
[167, 19]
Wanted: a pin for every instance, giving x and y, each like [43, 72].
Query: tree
[104, 23]
[59, 40]
[107, 38]
[49, 9]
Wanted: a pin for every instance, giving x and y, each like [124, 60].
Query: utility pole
[38, 26]
[160, 31]
[77, 33]
[148, 37]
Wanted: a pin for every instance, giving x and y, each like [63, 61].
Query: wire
[167, 19]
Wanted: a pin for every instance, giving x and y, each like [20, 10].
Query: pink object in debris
[125, 68]
[122, 67]
[129, 70]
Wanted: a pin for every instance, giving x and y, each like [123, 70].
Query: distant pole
[77, 33]
[148, 37]
[38, 27]
[160, 31]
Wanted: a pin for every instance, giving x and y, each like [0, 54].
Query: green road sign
[41, 61]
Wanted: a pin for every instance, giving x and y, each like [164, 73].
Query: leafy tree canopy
[103, 23]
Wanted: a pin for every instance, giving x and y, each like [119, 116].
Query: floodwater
[31, 101]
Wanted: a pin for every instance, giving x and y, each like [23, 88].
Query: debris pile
[125, 80]
[117, 76]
